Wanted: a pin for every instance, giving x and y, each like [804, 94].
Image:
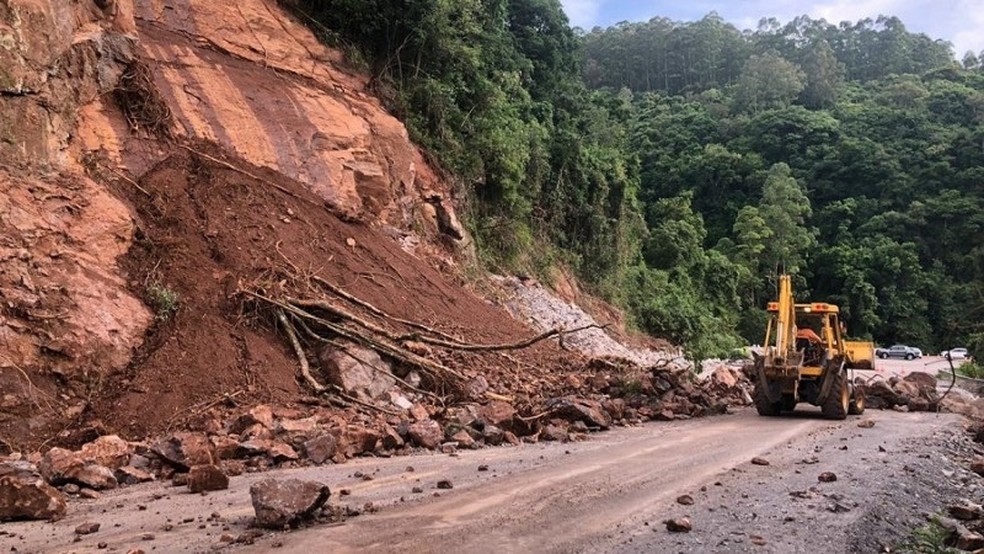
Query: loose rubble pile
[916, 392]
[226, 443]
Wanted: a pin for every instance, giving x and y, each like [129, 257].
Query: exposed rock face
[280, 503]
[25, 495]
[258, 84]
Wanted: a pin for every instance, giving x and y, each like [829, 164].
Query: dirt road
[608, 494]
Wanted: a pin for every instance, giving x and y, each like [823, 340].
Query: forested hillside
[676, 167]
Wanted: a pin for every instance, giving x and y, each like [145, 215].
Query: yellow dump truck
[806, 359]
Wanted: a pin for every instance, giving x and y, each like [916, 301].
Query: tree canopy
[678, 166]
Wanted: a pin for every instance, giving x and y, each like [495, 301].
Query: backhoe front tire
[838, 401]
[765, 406]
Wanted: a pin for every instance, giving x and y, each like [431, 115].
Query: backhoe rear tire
[838, 401]
[856, 405]
[765, 406]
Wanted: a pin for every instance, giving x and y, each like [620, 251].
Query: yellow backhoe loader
[806, 359]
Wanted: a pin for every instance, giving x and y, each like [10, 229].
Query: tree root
[324, 320]
[299, 351]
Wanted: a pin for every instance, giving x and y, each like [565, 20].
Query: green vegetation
[928, 539]
[164, 300]
[677, 167]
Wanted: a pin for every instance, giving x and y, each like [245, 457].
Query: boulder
[321, 448]
[497, 413]
[259, 415]
[921, 379]
[357, 439]
[391, 439]
[493, 435]
[357, 370]
[464, 439]
[60, 466]
[227, 448]
[108, 450]
[282, 452]
[554, 433]
[25, 495]
[281, 503]
[129, 475]
[184, 450]
[427, 433]
[298, 430]
[580, 409]
[207, 478]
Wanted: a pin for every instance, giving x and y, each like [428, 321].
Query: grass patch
[972, 370]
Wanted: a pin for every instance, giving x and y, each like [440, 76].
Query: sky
[959, 21]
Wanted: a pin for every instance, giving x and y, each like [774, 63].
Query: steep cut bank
[178, 175]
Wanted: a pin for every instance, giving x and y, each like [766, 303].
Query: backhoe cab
[806, 359]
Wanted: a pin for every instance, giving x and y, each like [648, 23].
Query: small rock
[87, 528]
[758, 540]
[967, 539]
[147, 537]
[678, 525]
[977, 466]
[685, 500]
[760, 461]
[966, 511]
[445, 484]
[866, 424]
[71, 488]
[827, 477]
[483, 467]
[417, 490]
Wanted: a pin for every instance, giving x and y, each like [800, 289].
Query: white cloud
[969, 28]
[853, 10]
[582, 13]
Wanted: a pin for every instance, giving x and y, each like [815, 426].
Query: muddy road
[610, 493]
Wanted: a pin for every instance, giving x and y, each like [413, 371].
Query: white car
[955, 354]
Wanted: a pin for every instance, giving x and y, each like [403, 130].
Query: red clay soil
[206, 230]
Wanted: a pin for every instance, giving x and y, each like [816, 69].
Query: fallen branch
[381, 346]
[359, 302]
[453, 344]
